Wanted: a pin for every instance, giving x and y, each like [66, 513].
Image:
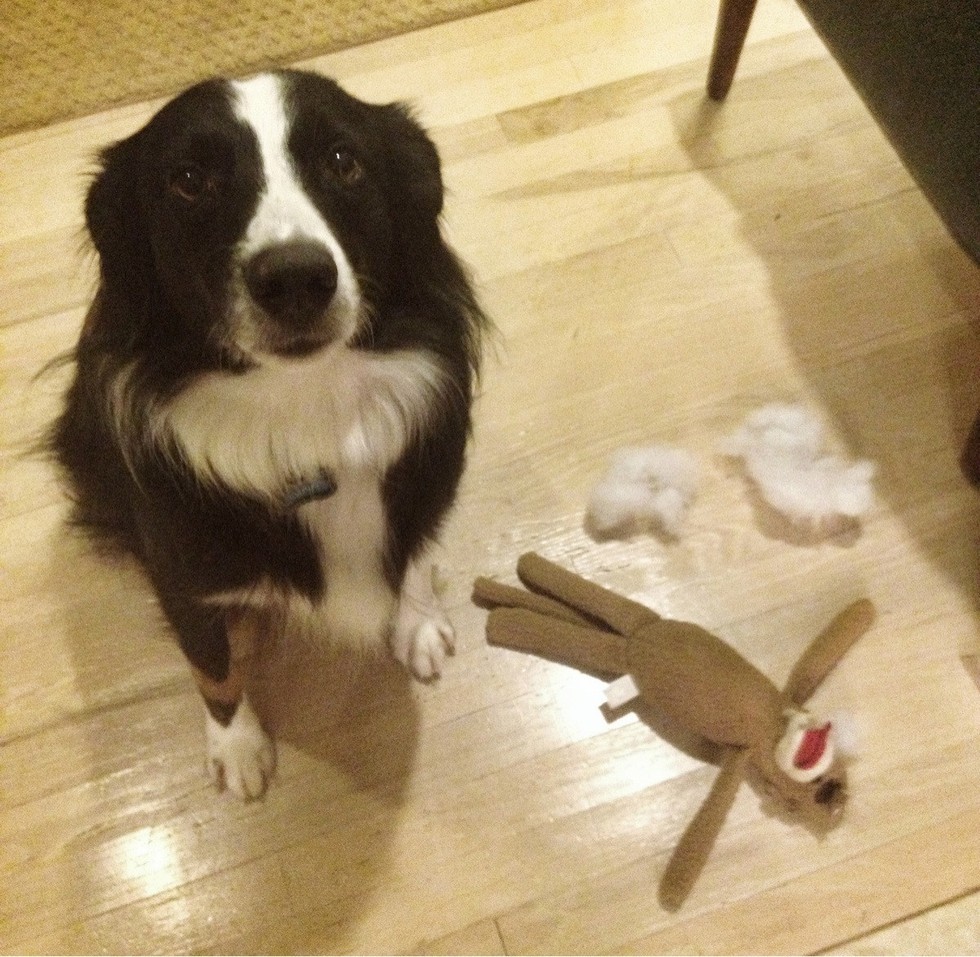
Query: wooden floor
[657, 267]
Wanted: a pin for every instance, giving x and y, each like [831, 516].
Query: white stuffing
[849, 734]
[645, 488]
[782, 450]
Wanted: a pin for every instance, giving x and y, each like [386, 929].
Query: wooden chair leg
[971, 454]
[734, 18]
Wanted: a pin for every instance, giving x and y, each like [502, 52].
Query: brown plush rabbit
[697, 680]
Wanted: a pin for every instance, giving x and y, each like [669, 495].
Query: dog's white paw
[422, 646]
[422, 635]
[241, 756]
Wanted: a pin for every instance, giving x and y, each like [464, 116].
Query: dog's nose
[293, 282]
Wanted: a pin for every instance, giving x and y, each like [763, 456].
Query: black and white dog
[272, 388]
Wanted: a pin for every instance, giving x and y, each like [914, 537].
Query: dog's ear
[414, 164]
[114, 214]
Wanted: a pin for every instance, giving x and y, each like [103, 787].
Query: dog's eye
[189, 182]
[346, 166]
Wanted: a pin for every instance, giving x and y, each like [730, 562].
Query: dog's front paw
[422, 643]
[241, 756]
[422, 635]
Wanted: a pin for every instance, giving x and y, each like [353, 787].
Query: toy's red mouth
[811, 748]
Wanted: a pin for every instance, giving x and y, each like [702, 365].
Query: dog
[272, 389]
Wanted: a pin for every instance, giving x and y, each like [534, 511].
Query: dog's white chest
[349, 530]
[282, 423]
[346, 415]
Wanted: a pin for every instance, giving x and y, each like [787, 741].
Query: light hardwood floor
[657, 267]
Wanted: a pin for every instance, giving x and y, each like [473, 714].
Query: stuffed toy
[698, 681]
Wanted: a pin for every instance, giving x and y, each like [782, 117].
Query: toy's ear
[827, 649]
[691, 853]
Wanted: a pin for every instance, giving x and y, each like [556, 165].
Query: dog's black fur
[167, 212]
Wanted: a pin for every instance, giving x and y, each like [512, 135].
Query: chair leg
[734, 18]
[970, 460]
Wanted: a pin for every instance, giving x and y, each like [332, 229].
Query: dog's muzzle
[294, 283]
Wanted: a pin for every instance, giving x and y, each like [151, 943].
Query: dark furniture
[916, 65]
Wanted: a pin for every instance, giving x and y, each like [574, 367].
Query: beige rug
[64, 58]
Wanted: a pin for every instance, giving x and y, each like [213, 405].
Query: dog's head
[272, 216]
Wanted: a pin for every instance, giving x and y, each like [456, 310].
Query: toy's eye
[188, 182]
[346, 166]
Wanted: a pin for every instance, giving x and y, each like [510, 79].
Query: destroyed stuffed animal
[695, 679]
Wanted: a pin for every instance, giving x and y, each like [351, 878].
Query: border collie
[272, 389]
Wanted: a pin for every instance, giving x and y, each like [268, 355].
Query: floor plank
[953, 928]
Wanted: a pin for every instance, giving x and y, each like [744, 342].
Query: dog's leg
[240, 755]
[422, 635]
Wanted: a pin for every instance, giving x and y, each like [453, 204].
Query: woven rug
[65, 58]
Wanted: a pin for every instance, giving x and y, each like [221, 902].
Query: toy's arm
[618, 613]
[827, 649]
[587, 648]
[491, 594]
[691, 853]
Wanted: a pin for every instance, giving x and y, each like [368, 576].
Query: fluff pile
[645, 489]
[783, 453]
[782, 450]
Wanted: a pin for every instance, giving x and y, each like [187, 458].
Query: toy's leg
[490, 594]
[691, 853]
[589, 649]
[620, 614]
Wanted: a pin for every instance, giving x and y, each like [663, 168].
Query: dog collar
[302, 493]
